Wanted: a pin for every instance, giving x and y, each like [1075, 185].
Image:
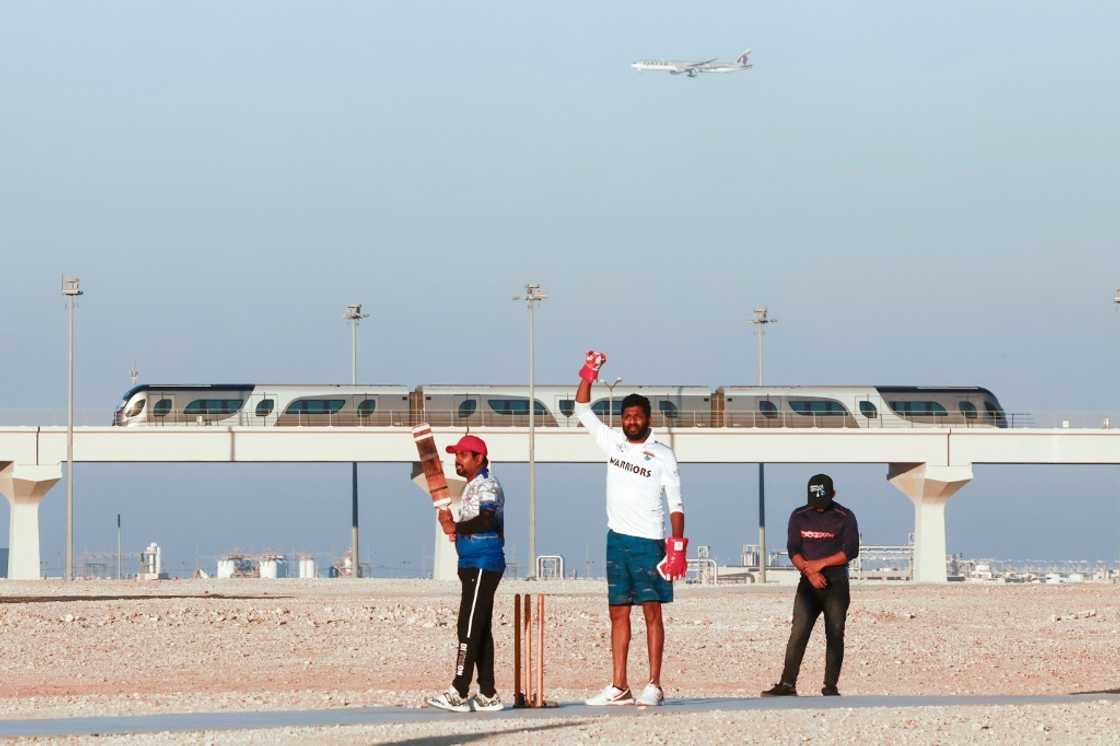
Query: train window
[567, 407]
[868, 410]
[818, 408]
[601, 407]
[265, 407]
[366, 407]
[467, 407]
[161, 408]
[315, 406]
[213, 406]
[767, 408]
[515, 406]
[667, 408]
[968, 409]
[136, 408]
[919, 408]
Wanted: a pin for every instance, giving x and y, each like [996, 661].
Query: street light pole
[610, 401]
[71, 289]
[533, 295]
[760, 320]
[354, 315]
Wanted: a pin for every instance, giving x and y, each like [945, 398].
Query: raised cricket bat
[434, 476]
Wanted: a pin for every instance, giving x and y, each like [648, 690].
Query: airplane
[692, 69]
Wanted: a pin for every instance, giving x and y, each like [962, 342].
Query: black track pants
[476, 643]
[809, 603]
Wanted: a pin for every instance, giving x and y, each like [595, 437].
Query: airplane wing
[694, 65]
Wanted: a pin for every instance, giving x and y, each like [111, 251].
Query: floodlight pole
[354, 315]
[760, 320]
[533, 295]
[71, 289]
[118, 546]
[610, 401]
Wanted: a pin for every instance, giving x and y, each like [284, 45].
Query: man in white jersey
[641, 563]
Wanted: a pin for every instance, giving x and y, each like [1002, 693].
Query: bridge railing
[682, 420]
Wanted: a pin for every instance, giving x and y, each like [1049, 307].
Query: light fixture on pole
[760, 321]
[533, 295]
[354, 315]
[71, 289]
[610, 400]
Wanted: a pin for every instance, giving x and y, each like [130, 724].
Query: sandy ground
[101, 648]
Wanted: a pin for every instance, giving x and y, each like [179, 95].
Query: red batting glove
[675, 564]
[592, 362]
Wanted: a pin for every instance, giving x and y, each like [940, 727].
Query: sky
[921, 195]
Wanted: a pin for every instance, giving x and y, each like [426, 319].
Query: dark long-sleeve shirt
[815, 535]
[486, 520]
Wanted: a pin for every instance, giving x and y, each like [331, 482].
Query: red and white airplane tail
[744, 59]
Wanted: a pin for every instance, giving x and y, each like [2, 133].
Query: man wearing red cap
[479, 541]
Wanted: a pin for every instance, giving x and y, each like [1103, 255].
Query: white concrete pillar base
[929, 488]
[25, 486]
[445, 560]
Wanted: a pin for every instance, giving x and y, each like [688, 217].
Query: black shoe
[780, 690]
[830, 691]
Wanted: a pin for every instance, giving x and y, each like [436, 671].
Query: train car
[444, 405]
[465, 405]
[855, 406]
[266, 405]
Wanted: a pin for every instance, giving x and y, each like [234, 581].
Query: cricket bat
[434, 476]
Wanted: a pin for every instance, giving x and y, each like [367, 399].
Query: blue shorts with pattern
[632, 576]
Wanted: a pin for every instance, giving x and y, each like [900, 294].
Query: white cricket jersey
[636, 475]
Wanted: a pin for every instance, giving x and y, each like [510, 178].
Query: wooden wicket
[528, 680]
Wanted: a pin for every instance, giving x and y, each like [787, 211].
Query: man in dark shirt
[823, 538]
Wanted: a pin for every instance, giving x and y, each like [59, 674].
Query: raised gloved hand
[446, 522]
[675, 564]
[592, 362]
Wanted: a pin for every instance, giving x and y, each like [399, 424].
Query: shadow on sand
[136, 597]
[468, 737]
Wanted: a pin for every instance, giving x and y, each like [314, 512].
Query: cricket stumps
[528, 680]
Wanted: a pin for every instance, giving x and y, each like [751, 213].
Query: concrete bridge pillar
[929, 488]
[25, 486]
[445, 560]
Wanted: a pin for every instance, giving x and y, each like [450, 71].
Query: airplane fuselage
[692, 68]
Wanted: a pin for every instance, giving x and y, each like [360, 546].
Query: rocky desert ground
[123, 647]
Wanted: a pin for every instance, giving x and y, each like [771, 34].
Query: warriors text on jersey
[636, 475]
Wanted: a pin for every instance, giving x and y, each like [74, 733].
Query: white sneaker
[482, 703]
[450, 700]
[651, 696]
[612, 695]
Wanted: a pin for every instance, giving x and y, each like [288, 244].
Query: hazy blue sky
[922, 195]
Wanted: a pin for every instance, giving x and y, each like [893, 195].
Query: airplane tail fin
[745, 58]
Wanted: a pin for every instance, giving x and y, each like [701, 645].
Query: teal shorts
[632, 576]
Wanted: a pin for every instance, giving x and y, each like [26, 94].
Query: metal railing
[684, 420]
[702, 570]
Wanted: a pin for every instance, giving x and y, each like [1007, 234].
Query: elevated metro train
[291, 405]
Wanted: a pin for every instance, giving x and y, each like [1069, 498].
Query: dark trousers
[476, 642]
[808, 604]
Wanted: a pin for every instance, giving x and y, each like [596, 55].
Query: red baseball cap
[471, 443]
